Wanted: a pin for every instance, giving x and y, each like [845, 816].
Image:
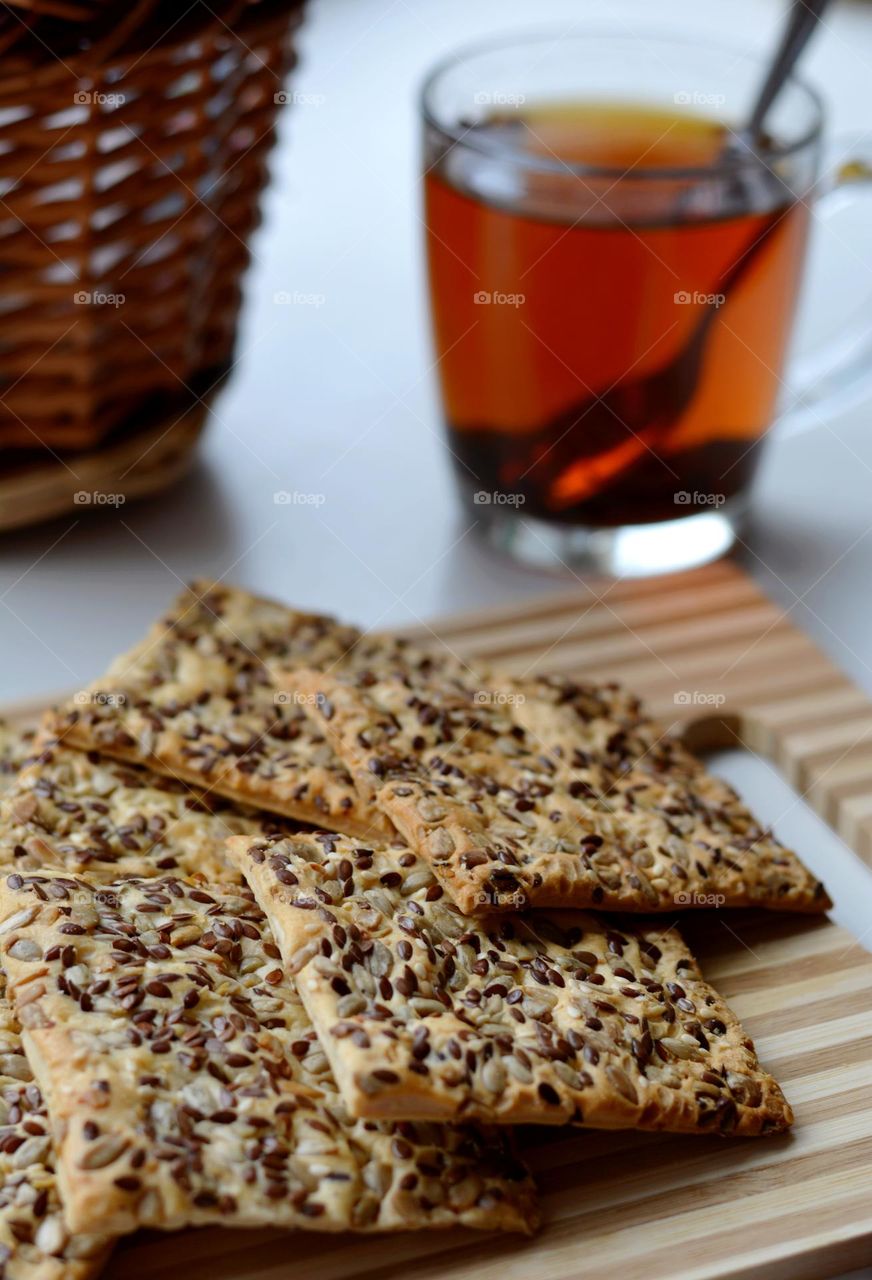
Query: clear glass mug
[611, 332]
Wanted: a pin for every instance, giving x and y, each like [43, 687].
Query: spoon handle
[804, 17]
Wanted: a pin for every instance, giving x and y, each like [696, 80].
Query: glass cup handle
[837, 374]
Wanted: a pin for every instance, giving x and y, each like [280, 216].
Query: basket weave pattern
[130, 173]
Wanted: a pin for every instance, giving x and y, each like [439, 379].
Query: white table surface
[335, 396]
[339, 399]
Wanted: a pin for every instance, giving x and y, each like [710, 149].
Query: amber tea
[611, 357]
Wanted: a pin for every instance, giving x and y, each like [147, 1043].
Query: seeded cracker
[35, 1243]
[194, 700]
[544, 1017]
[75, 810]
[186, 1081]
[600, 733]
[15, 746]
[505, 823]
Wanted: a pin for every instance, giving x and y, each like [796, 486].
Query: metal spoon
[756, 186]
[805, 16]
[675, 383]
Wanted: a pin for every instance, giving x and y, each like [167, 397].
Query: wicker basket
[133, 140]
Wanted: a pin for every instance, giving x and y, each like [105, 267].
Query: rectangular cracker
[194, 700]
[185, 1080]
[35, 1243]
[544, 1017]
[90, 814]
[506, 824]
[601, 734]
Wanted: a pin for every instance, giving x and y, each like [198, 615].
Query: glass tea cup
[613, 283]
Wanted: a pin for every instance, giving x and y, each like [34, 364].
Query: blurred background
[332, 398]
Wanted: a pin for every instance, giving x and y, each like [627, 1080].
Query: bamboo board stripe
[647, 1207]
[658, 1206]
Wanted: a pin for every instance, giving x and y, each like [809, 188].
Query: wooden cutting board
[798, 1207]
[139, 464]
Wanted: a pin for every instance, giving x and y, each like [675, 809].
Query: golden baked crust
[505, 822]
[194, 700]
[544, 1017]
[186, 1082]
[35, 1243]
[86, 813]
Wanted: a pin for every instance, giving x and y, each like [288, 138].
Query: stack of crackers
[296, 923]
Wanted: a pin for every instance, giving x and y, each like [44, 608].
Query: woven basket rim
[66, 10]
[120, 43]
[128, 215]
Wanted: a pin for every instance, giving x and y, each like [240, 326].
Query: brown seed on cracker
[187, 1083]
[542, 1017]
[506, 823]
